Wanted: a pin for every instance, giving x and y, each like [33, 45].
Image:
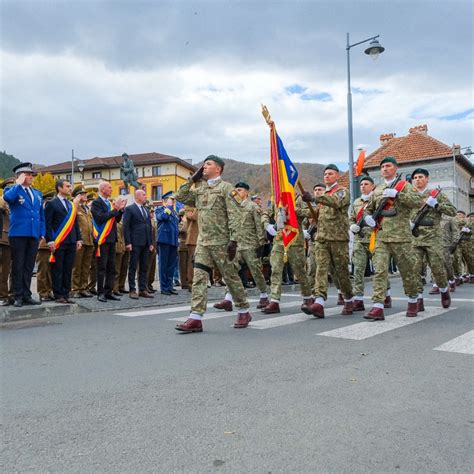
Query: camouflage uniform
[122, 258]
[44, 284]
[295, 253]
[394, 240]
[219, 218]
[450, 236]
[466, 247]
[361, 252]
[332, 242]
[428, 244]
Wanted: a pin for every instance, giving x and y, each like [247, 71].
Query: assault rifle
[421, 214]
[454, 246]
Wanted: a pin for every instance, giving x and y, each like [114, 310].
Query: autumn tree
[44, 182]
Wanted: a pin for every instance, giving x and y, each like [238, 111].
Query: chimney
[423, 129]
[386, 137]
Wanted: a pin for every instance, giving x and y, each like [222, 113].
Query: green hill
[7, 162]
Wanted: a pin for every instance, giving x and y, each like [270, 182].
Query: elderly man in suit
[105, 216]
[26, 228]
[167, 239]
[63, 237]
[138, 241]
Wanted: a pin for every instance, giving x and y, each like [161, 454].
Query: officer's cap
[216, 160]
[460, 212]
[168, 195]
[420, 171]
[242, 184]
[331, 167]
[367, 178]
[7, 182]
[319, 185]
[256, 196]
[23, 168]
[78, 190]
[389, 159]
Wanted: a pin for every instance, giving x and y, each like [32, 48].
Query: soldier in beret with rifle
[427, 236]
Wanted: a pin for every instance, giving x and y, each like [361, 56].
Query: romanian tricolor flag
[100, 233]
[284, 177]
[64, 229]
[359, 163]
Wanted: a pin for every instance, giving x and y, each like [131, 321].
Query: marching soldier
[428, 240]
[394, 238]
[361, 252]
[466, 247]
[458, 263]
[81, 269]
[295, 255]
[5, 253]
[250, 244]
[332, 242]
[219, 220]
[450, 237]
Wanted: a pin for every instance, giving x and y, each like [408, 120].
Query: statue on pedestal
[128, 174]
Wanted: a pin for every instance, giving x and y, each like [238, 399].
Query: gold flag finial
[267, 116]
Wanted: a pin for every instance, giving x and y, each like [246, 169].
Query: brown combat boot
[375, 314]
[242, 321]
[317, 310]
[358, 305]
[420, 305]
[340, 299]
[387, 303]
[307, 302]
[272, 308]
[434, 291]
[445, 299]
[226, 305]
[191, 325]
[458, 281]
[348, 308]
[412, 310]
[452, 287]
[262, 303]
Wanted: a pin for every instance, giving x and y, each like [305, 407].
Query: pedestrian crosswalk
[463, 344]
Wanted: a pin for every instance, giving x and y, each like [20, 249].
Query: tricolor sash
[100, 233]
[64, 229]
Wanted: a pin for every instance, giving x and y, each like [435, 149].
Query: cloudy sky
[187, 78]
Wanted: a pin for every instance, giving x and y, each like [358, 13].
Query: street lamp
[374, 49]
[457, 151]
[81, 165]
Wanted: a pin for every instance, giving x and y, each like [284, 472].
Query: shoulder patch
[341, 193]
[234, 195]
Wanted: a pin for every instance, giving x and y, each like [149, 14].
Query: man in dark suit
[138, 241]
[26, 228]
[103, 211]
[64, 251]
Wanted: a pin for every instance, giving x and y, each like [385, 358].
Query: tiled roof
[139, 159]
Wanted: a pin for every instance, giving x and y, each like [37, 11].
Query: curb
[10, 313]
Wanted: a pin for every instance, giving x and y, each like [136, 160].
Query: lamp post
[373, 51]
[81, 166]
[457, 151]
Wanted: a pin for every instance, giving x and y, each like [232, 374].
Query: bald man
[139, 242]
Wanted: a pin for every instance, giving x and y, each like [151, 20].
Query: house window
[68, 177]
[156, 193]
[96, 175]
[156, 171]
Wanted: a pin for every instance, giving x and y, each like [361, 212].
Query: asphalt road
[104, 392]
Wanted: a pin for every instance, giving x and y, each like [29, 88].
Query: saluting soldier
[250, 245]
[394, 237]
[219, 220]
[5, 253]
[84, 255]
[121, 261]
[295, 256]
[428, 243]
[332, 242]
[361, 252]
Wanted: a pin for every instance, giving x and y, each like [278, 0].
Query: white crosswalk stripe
[365, 330]
[463, 344]
[288, 319]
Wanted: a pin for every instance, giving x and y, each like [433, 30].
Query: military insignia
[21, 200]
[340, 194]
[234, 195]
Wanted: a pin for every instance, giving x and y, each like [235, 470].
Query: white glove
[369, 221]
[412, 226]
[390, 193]
[431, 201]
[306, 234]
[271, 230]
[354, 228]
[466, 230]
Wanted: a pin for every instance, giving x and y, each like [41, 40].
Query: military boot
[445, 299]
[224, 304]
[243, 320]
[387, 303]
[262, 303]
[340, 299]
[307, 302]
[434, 291]
[420, 305]
[191, 325]
[452, 287]
[348, 308]
[375, 314]
[272, 308]
[412, 310]
[358, 305]
[317, 310]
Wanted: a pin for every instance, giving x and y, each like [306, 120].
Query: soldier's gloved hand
[271, 230]
[369, 221]
[432, 201]
[198, 174]
[231, 249]
[354, 228]
[307, 235]
[466, 230]
[307, 197]
[412, 226]
[390, 193]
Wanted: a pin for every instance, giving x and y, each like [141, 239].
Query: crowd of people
[90, 244]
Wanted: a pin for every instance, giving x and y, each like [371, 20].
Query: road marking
[365, 330]
[436, 300]
[288, 319]
[463, 344]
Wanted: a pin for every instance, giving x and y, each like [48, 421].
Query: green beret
[389, 159]
[216, 159]
[332, 167]
[460, 212]
[470, 214]
[241, 184]
[319, 185]
[420, 171]
[367, 178]
[7, 182]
